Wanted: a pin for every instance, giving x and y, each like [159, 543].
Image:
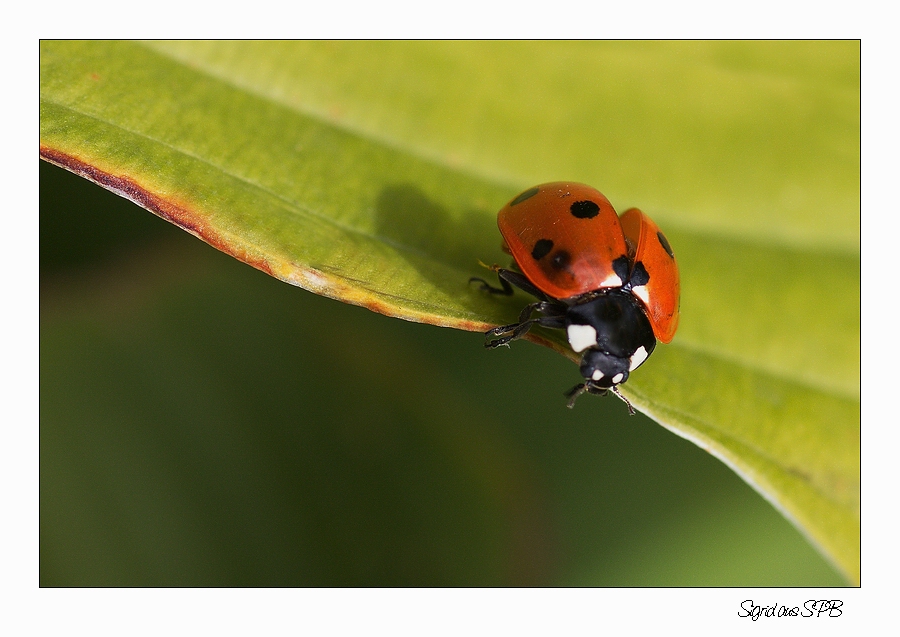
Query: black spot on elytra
[584, 209]
[528, 194]
[561, 260]
[665, 244]
[621, 266]
[639, 275]
[541, 249]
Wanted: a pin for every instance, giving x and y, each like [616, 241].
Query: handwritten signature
[811, 608]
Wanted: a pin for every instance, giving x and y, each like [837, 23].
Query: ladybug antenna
[615, 390]
[492, 268]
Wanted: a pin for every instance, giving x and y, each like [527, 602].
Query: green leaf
[371, 172]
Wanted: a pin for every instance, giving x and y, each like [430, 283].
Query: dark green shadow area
[205, 424]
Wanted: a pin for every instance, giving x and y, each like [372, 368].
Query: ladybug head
[604, 370]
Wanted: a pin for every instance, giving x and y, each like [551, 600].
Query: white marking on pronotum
[581, 337]
[641, 292]
[612, 281]
[637, 358]
[618, 378]
[597, 375]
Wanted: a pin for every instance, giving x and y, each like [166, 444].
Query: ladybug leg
[615, 390]
[506, 290]
[554, 318]
[547, 308]
[524, 316]
[574, 393]
[518, 330]
[508, 279]
[521, 281]
[554, 312]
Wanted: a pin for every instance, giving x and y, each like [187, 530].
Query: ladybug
[611, 282]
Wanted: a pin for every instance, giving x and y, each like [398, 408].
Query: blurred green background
[204, 424]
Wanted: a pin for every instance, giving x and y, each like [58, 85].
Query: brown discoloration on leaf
[315, 280]
[130, 189]
[178, 213]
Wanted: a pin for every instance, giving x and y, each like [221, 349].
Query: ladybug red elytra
[611, 282]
